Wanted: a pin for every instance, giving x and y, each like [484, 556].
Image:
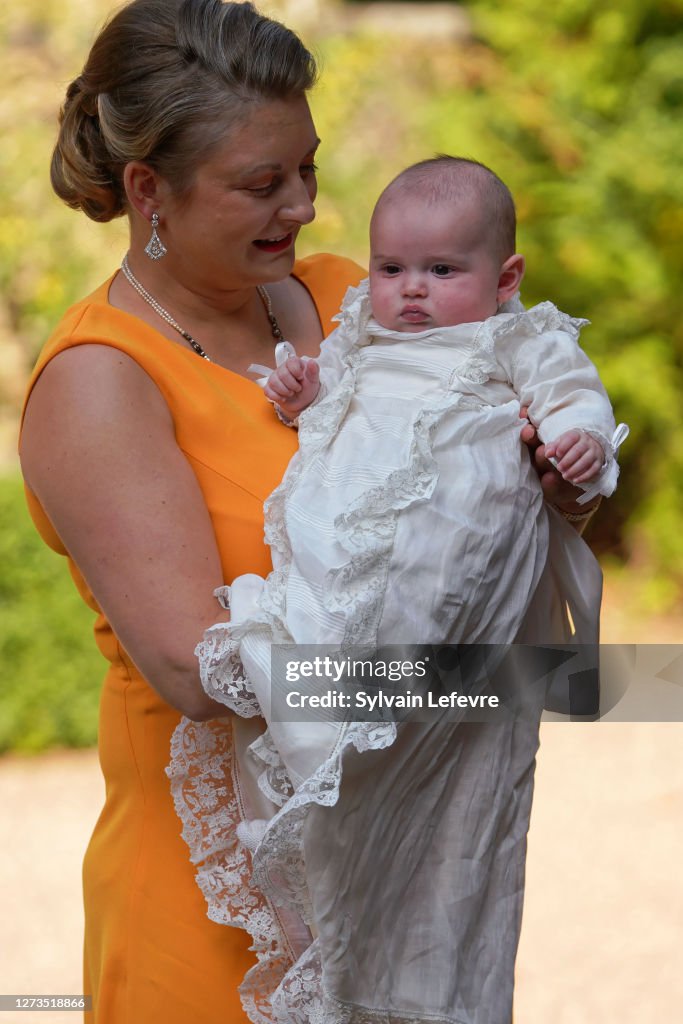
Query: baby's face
[431, 265]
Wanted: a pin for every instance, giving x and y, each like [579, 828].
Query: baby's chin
[403, 328]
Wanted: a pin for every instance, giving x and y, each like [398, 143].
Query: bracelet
[284, 418]
[578, 517]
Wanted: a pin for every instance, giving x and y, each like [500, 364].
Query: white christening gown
[388, 861]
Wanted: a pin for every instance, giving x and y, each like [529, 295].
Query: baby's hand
[579, 456]
[294, 385]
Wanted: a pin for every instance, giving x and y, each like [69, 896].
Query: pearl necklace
[165, 315]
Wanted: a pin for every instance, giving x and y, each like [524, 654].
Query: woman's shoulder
[91, 318]
[94, 320]
[327, 278]
[326, 267]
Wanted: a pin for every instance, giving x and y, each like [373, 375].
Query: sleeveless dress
[151, 953]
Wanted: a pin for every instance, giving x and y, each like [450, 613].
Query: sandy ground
[603, 920]
[48, 806]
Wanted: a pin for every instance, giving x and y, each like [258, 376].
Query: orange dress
[151, 954]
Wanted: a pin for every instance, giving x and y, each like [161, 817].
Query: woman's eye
[441, 269]
[262, 190]
[306, 169]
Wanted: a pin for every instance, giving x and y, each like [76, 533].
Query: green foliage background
[576, 104]
[51, 669]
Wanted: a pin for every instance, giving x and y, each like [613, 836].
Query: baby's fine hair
[451, 179]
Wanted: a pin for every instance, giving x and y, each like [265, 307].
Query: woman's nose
[298, 203]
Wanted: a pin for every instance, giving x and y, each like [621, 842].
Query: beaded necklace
[165, 315]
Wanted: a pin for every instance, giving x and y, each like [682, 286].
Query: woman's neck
[231, 326]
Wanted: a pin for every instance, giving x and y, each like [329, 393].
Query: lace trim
[243, 891]
[295, 1002]
[368, 528]
[355, 313]
[220, 668]
[540, 318]
[274, 781]
[480, 364]
[238, 892]
[279, 868]
[205, 799]
[317, 426]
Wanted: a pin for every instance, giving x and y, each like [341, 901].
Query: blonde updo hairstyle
[164, 82]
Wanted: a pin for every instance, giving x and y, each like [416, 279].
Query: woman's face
[238, 224]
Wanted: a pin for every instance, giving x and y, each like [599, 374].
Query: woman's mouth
[278, 244]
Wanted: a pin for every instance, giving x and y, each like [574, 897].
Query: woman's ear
[144, 188]
[510, 278]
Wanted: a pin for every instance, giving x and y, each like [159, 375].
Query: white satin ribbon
[283, 350]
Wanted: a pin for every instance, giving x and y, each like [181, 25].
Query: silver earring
[155, 248]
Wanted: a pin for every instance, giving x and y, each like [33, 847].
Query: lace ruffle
[206, 800]
[279, 868]
[242, 893]
[248, 868]
[537, 319]
[274, 782]
[222, 673]
[366, 530]
[298, 1000]
[355, 312]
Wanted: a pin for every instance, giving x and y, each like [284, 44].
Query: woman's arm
[98, 449]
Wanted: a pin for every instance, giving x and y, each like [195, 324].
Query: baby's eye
[442, 269]
[391, 269]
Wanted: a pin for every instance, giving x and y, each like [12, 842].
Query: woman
[148, 452]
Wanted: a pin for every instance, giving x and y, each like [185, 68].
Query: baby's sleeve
[561, 387]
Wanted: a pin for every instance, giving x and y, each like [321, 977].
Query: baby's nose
[415, 284]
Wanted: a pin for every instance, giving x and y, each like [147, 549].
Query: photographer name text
[361, 700]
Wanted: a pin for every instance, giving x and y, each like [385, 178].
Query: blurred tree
[52, 670]
[578, 107]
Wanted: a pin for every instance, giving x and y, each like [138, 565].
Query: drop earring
[155, 248]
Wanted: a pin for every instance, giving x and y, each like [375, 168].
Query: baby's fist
[579, 457]
[294, 385]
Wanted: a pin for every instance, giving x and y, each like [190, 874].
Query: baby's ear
[510, 278]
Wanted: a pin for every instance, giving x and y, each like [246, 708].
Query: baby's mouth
[414, 314]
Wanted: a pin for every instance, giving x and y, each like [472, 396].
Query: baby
[442, 241]
[411, 514]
